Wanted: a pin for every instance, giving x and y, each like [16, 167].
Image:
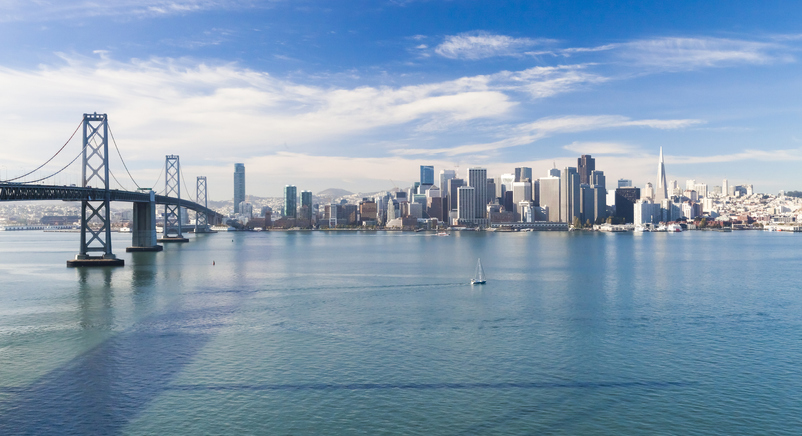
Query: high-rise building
[306, 205]
[570, 202]
[477, 179]
[239, 184]
[445, 176]
[690, 185]
[661, 191]
[466, 205]
[521, 192]
[550, 197]
[725, 188]
[554, 172]
[522, 174]
[701, 188]
[536, 192]
[426, 175]
[585, 165]
[290, 201]
[491, 191]
[506, 183]
[624, 183]
[625, 199]
[453, 185]
[648, 191]
[597, 178]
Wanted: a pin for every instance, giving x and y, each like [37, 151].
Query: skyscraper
[426, 175]
[624, 183]
[477, 179]
[521, 192]
[550, 196]
[239, 184]
[445, 175]
[661, 191]
[570, 202]
[523, 173]
[306, 205]
[466, 204]
[597, 178]
[290, 201]
[453, 185]
[725, 188]
[625, 199]
[585, 165]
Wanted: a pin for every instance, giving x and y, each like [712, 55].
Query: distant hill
[333, 193]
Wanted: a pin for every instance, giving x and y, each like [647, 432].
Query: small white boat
[124, 230]
[479, 277]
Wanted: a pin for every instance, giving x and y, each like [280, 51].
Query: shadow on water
[100, 391]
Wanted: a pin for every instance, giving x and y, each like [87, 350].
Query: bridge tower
[95, 212]
[172, 212]
[201, 219]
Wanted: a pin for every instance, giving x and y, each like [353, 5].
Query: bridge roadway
[22, 192]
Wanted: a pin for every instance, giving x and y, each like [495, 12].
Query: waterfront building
[239, 184]
[646, 212]
[585, 165]
[550, 197]
[290, 201]
[525, 212]
[536, 192]
[625, 199]
[466, 205]
[368, 211]
[477, 179]
[244, 208]
[570, 202]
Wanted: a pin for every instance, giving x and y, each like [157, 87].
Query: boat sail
[479, 277]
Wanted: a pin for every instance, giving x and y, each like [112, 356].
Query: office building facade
[290, 202]
[239, 184]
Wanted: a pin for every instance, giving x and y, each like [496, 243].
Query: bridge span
[95, 196]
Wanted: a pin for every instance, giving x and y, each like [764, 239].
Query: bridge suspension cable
[48, 161]
[186, 189]
[62, 169]
[122, 160]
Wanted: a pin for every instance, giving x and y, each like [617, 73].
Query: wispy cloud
[528, 133]
[71, 9]
[600, 148]
[481, 45]
[688, 53]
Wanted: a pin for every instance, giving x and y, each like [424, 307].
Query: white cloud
[528, 133]
[76, 9]
[686, 53]
[595, 148]
[481, 45]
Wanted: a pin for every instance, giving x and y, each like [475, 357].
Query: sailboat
[479, 277]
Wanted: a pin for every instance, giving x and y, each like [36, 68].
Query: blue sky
[358, 94]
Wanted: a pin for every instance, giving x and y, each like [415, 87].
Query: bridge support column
[143, 233]
[172, 212]
[95, 212]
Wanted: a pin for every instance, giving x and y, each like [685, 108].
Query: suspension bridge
[95, 196]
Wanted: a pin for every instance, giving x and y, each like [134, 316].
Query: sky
[358, 94]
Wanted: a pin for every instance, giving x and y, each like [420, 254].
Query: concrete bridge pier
[143, 232]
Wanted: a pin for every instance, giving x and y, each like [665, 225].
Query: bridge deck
[22, 192]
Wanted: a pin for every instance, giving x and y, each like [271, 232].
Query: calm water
[379, 333]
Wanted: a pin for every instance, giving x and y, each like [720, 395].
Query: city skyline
[360, 98]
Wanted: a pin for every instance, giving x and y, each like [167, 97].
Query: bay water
[344, 333]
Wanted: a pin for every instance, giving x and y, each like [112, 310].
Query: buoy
[212, 262]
